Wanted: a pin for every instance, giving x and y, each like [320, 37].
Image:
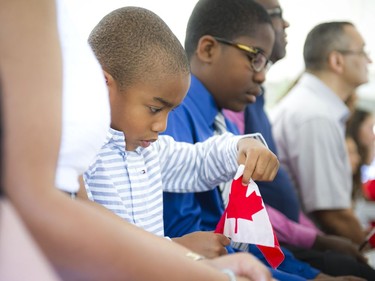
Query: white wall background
[301, 14]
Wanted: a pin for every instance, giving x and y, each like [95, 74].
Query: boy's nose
[260, 77]
[159, 126]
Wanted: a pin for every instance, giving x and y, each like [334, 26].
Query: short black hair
[227, 19]
[133, 43]
[322, 40]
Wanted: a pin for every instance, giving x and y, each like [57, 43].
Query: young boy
[147, 74]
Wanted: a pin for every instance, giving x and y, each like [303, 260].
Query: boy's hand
[207, 244]
[260, 162]
[242, 264]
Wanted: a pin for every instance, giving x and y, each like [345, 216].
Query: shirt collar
[117, 138]
[203, 100]
[337, 106]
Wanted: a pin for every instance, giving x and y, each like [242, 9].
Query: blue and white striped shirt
[130, 183]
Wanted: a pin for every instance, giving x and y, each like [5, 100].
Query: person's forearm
[342, 223]
[85, 244]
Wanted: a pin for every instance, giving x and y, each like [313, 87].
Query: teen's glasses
[275, 12]
[257, 58]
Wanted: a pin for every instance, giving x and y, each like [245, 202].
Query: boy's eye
[155, 109]
[251, 57]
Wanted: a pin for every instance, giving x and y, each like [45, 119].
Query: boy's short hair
[322, 40]
[227, 19]
[133, 43]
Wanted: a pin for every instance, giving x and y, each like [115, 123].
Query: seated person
[130, 170]
[309, 127]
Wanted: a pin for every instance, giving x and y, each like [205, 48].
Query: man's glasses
[275, 12]
[353, 52]
[256, 57]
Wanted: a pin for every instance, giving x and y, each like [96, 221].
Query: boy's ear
[108, 78]
[111, 84]
[207, 48]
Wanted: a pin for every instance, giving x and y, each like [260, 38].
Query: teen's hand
[207, 244]
[260, 162]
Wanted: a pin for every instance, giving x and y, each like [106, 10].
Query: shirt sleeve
[201, 166]
[101, 188]
[258, 137]
[197, 167]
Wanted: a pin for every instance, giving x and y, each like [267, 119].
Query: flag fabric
[245, 220]
[369, 189]
[371, 238]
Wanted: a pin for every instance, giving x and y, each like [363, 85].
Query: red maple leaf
[240, 206]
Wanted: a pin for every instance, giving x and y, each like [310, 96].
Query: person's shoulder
[300, 102]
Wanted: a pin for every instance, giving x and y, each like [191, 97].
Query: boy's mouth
[251, 96]
[146, 143]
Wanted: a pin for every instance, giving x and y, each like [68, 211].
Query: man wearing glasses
[309, 126]
[254, 119]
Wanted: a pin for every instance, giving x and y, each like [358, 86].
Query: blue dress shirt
[193, 121]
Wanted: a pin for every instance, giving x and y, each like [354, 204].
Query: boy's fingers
[250, 166]
[259, 165]
[264, 168]
[269, 173]
[225, 241]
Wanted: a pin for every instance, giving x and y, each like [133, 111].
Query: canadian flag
[370, 239]
[246, 220]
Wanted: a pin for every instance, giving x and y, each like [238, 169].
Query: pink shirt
[238, 118]
[301, 234]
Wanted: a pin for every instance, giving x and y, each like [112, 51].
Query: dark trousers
[333, 263]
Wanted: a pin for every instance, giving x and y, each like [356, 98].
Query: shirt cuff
[257, 136]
